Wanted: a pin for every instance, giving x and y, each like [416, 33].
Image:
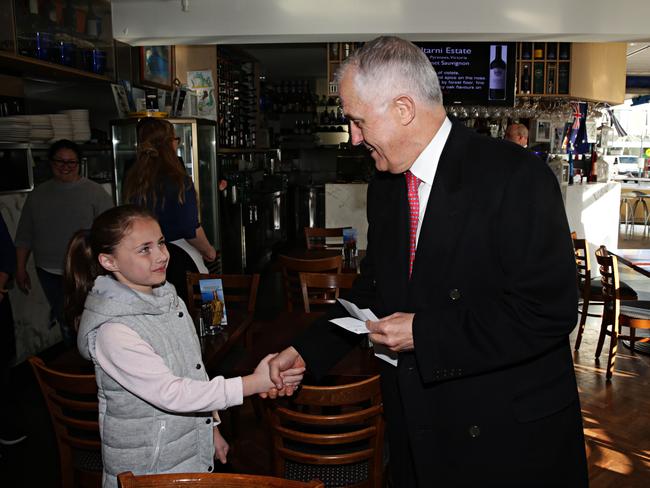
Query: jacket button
[474, 431]
[209, 469]
[198, 366]
[180, 314]
[208, 421]
[454, 294]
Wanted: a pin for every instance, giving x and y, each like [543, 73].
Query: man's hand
[23, 281]
[394, 331]
[279, 366]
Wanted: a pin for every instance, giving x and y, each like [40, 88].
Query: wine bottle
[526, 50]
[550, 79]
[497, 82]
[563, 78]
[525, 79]
[538, 78]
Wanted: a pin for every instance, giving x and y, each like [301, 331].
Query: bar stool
[640, 199]
[627, 205]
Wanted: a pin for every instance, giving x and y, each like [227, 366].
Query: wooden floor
[616, 414]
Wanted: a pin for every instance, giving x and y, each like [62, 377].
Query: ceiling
[638, 58]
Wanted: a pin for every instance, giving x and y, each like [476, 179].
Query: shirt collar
[426, 164]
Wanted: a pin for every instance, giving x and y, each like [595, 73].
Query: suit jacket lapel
[445, 216]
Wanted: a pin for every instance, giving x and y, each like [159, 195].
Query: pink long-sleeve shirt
[133, 363]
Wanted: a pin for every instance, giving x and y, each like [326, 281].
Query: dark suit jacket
[488, 397]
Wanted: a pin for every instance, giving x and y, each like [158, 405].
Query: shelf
[17, 64]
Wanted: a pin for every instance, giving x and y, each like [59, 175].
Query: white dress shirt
[425, 167]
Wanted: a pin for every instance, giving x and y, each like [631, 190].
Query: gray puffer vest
[136, 436]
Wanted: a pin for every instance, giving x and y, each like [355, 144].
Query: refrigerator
[198, 151]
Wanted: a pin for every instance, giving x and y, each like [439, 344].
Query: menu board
[474, 73]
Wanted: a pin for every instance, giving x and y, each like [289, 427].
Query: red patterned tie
[412, 184]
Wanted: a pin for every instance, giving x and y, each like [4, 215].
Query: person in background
[472, 274]
[517, 133]
[53, 212]
[157, 406]
[9, 434]
[159, 182]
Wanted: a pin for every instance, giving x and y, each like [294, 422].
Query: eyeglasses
[66, 162]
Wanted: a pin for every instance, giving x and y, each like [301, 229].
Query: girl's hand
[221, 447]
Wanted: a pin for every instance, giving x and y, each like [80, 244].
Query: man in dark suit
[470, 265]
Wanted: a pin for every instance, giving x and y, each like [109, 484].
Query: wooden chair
[323, 288]
[71, 400]
[331, 433]
[209, 480]
[317, 237]
[590, 289]
[291, 280]
[240, 291]
[617, 314]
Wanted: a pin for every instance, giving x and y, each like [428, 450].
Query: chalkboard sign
[474, 73]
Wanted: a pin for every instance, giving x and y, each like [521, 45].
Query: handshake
[276, 375]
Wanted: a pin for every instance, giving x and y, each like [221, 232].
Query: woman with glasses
[53, 212]
[158, 180]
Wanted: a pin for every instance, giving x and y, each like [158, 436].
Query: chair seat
[627, 292]
[341, 475]
[87, 460]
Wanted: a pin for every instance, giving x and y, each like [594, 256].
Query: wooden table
[277, 334]
[637, 259]
[215, 347]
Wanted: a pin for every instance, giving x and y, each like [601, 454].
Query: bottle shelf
[543, 68]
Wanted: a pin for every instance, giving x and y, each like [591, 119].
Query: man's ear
[108, 262]
[405, 108]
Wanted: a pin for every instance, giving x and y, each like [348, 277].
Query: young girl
[157, 408]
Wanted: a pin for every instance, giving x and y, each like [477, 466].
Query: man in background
[517, 133]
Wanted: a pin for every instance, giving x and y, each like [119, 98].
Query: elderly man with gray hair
[470, 268]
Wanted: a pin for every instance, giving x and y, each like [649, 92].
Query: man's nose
[356, 136]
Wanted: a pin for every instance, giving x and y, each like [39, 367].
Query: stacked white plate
[80, 124]
[14, 129]
[41, 128]
[62, 127]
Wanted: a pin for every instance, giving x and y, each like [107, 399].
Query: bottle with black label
[497, 76]
[563, 78]
[525, 78]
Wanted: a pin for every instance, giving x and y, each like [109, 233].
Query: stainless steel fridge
[198, 151]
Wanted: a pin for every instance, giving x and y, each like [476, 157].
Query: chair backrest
[291, 267]
[323, 288]
[330, 428]
[608, 267]
[583, 263]
[71, 400]
[209, 480]
[321, 238]
[240, 291]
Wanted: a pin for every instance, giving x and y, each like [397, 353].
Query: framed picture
[157, 66]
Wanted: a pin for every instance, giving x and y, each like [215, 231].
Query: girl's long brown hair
[156, 165]
[81, 260]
